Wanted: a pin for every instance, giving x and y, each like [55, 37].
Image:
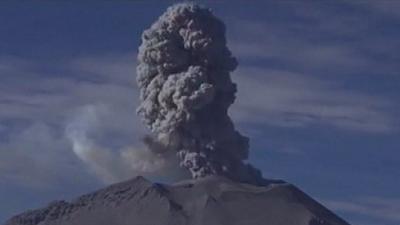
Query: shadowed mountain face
[208, 201]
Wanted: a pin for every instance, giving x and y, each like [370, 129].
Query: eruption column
[186, 90]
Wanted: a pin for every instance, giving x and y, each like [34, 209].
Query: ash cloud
[186, 90]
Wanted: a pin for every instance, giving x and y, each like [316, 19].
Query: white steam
[110, 165]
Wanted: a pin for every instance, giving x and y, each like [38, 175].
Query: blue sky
[318, 83]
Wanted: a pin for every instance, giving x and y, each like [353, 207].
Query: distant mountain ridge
[208, 201]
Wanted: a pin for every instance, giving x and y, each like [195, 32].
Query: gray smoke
[186, 90]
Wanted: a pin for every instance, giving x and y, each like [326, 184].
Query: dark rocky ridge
[208, 201]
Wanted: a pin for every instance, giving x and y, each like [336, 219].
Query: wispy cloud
[319, 38]
[320, 67]
[94, 99]
[26, 157]
[375, 207]
[110, 68]
[39, 105]
[266, 96]
[291, 99]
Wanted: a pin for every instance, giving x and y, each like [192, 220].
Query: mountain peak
[212, 200]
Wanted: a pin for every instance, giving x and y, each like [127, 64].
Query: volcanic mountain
[211, 200]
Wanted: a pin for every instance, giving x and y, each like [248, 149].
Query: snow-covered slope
[208, 201]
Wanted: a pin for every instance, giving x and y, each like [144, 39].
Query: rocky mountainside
[207, 201]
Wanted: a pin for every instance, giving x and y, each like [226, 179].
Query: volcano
[183, 75]
[211, 200]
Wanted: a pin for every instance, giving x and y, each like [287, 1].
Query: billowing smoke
[186, 90]
[110, 164]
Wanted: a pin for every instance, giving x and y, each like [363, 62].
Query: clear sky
[318, 83]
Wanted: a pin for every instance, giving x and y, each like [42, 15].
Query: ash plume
[186, 90]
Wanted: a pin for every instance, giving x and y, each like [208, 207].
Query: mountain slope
[208, 201]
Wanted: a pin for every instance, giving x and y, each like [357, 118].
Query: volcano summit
[205, 201]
